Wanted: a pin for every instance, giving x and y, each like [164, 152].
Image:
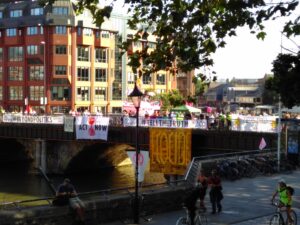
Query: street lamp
[45, 88]
[136, 97]
[279, 134]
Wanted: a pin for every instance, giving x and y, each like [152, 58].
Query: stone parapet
[99, 209]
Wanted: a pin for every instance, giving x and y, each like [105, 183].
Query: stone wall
[99, 209]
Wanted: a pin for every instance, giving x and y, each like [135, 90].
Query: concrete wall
[99, 208]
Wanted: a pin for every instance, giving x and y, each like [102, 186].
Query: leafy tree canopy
[286, 80]
[170, 100]
[188, 32]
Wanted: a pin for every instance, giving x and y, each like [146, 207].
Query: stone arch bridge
[57, 151]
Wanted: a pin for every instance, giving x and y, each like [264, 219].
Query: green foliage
[170, 100]
[190, 31]
[286, 80]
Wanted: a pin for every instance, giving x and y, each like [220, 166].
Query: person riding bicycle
[285, 198]
[190, 202]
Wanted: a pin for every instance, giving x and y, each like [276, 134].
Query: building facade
[55, 61]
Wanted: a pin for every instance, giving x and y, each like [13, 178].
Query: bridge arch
[82, 156]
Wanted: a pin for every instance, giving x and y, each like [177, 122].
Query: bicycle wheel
[294, 218]
[182, 221]
[276, 220]
[201, 220]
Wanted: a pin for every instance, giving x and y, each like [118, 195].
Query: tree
[286, 80]
[188, 32]
[170, 100]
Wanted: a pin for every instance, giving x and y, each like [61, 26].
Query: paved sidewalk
[246, 202]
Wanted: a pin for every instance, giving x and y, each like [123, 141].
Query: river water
[16, 183]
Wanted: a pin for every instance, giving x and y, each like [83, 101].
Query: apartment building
[54, 60]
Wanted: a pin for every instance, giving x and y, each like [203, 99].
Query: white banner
[19, 118]
[142, 161]
[92, 127]
[69, 124]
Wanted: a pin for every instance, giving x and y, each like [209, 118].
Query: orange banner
[170, 150]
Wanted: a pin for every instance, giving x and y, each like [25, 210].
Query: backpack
[290, 190]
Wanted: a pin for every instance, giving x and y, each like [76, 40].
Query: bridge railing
[196, 163]
[118, 120]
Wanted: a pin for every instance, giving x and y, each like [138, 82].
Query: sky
[247, 57]
[244, 55]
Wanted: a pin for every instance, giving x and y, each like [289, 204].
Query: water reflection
[17, 184]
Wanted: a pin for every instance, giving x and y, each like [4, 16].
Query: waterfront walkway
[246, 202]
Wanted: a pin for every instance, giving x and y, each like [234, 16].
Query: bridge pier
[41, 154]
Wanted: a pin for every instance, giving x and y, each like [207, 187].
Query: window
[32, 49]
[97, 34]
[1, 15]
[131, 77]
[32, 30]
[87, 32]
[15, 73]
[15, 93]
[100, 74]
[146, 79]
[60, 30]
[16, 13]
[36, 72]
[61, 49]
[15, 53]
[83, 93]
[36, 11]
[83, 53]
[101, 55]
[160, 79]
[60, 70]
[1, 54]
[60, 11]
[11, 32]
[36, 92]
[1, 93]
[1, 73]
[100, 94]
[60, 93]
[79, 31]
[83, 74]
[116, 91]
[105, 34]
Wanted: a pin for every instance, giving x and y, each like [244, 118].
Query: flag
[262, 144]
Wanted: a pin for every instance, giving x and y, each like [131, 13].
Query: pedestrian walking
[215, 194]
[203, 181]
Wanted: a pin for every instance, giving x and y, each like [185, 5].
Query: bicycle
[200, 218]
[280, 219]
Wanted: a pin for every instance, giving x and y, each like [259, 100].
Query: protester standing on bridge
[215, 194]
[67, 190]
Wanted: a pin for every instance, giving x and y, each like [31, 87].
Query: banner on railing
[68, 124]
[254, 123]
[170, 150]
[143, 160]
[19, 118]
[92, 127]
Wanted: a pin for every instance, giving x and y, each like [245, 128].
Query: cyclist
[190, 202]
[285, 199]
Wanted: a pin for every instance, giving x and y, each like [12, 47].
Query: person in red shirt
[215, 194]
[202, 180]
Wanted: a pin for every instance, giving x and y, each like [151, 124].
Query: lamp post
[45, 83]
[279, 134]
[136, 97]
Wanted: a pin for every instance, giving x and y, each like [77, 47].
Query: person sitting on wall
[66, 194]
